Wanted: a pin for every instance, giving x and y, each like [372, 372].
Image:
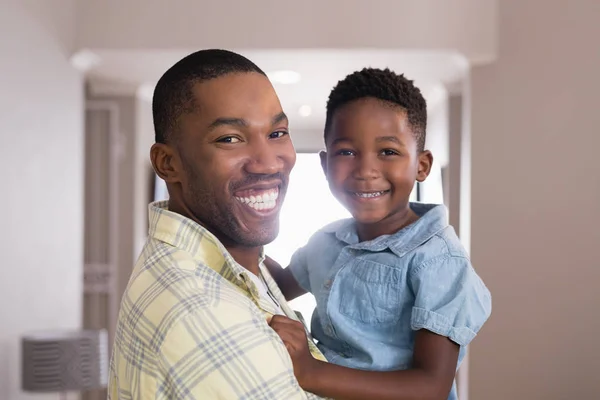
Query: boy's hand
[294, 337]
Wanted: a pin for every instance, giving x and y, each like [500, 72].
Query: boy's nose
[366, 170]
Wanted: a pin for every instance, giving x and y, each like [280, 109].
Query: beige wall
[41, 130]
[536, 204]
[143, 172]
[466, 25]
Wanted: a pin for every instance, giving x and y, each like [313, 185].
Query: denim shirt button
[329, 330]
[327, 284]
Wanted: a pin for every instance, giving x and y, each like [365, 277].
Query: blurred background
[513, 91]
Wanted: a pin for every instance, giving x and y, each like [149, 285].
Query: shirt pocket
[371, 293]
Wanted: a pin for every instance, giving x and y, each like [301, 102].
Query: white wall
[536, 204]
[41, 199]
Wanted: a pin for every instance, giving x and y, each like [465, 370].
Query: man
[193, 320]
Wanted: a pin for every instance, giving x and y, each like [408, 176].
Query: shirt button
[327, 284]
[329, 330]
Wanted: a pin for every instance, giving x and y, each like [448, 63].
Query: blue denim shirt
[373, 296]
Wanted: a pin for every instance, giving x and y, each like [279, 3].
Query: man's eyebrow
[226, 121]
[240, 122]
[279, 118]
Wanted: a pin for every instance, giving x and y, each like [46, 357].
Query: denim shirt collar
[432, 219]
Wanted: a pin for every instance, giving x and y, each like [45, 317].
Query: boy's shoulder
[336, 226]
[327, 236]
[443, 243]
[331, 230]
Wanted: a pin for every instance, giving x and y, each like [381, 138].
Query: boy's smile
[372, 163]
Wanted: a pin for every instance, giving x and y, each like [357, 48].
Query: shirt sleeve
[299, 268]
[225, 352]
[450, 299]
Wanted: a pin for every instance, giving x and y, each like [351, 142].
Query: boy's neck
[387, 226]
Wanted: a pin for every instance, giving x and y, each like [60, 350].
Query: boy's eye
[278, 134]
[345, 153]
[389, 152]
[228, 139]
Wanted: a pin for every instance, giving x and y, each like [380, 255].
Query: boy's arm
[431, 377]
[457, 314]
[284, 279]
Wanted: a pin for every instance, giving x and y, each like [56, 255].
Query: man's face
[235, 158]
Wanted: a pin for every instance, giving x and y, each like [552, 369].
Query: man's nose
[264, 158]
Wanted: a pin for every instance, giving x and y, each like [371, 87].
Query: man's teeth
[370, 194]
[263, 201]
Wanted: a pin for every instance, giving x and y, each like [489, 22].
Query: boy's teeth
[263, 201]
[372, 194]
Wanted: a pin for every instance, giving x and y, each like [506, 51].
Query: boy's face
[372, 160]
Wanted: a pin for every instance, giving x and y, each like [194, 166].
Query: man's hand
[294, 337]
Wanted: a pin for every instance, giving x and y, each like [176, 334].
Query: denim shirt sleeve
[450, 299]
[299, 268]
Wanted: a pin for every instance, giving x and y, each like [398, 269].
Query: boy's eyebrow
[389, 139]
[340, 140]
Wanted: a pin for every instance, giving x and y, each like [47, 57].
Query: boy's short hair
[386, 86]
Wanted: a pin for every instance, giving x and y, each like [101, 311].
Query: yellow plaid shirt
[192, 324]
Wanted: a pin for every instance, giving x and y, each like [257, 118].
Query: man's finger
[280, 319]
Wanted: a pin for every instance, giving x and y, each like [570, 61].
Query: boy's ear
[165, 162]
[425, 162]
[323, 156]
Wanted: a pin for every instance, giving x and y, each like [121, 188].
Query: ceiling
[115, 71]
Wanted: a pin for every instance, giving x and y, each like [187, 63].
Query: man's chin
[257, 240]
[255, 235]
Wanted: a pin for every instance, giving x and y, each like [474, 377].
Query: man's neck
[247, 257]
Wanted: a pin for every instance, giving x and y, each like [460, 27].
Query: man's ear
[166, 162]
[323, 156]
[425, 162]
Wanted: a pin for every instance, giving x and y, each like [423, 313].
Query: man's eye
[228, 139]
[278, 134]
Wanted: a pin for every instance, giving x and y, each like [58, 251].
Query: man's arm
[284, 279]
[430, 378]
[224, 352]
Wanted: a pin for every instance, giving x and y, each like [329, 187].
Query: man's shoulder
[168, 286]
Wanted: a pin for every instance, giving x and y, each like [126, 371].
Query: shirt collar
[432, 219]
[189, 236]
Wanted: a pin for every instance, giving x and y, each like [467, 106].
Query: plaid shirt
[192, 324]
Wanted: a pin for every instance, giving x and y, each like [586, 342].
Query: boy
[397, 298]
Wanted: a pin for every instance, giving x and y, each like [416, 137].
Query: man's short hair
[384, 85]
[173, 94]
